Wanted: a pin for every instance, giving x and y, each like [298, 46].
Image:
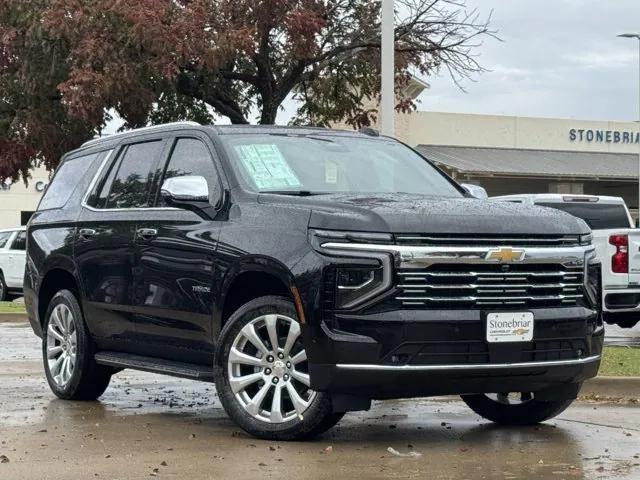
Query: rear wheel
[515, 408]
[262, 374]
[67, 350]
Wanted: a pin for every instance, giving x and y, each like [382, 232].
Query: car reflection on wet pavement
[147, 425]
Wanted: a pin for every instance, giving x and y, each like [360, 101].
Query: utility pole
[388, 97]
[637, 37]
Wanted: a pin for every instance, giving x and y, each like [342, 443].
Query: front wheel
[262, 374]
[516, 408]
[67, 350]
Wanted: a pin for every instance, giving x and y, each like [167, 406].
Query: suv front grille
[490, 285]
[417, 239]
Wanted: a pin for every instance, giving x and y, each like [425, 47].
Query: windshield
[599, 216]
[320, 163]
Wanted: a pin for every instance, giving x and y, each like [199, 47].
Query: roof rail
[143, 129]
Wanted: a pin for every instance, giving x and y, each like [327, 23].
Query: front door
[104, 245]
[175, 264]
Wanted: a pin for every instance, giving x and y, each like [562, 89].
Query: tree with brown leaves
[66, 64]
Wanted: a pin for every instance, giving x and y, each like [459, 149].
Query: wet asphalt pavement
[151, 426]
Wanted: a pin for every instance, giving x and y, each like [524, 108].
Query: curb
[612, 387]
[13, 317]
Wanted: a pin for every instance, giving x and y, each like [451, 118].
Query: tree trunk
[269, 114]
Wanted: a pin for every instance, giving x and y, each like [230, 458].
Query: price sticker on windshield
[267, 167]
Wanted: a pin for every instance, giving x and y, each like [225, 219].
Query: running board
[155, 365]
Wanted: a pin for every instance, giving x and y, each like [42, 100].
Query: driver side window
[191, 157]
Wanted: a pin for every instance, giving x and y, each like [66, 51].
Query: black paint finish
[159, 282]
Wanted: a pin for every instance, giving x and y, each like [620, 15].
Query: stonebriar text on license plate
[509, 327]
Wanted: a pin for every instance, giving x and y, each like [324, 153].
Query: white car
[617, 243]
[12, 260]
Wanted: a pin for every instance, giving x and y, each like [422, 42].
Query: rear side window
[20, 242]
[64, 182]
[599, 216]
[134, 176]
[4, 237]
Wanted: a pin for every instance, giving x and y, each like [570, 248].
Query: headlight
[354, 284]
[361, 272]
[593, 279]
[585, 239]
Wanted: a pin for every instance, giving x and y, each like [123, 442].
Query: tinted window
[64, 182]
[599, 216]
[135, 176]
[20, 242]
[191, 157]
[100, 194]
[4, 237]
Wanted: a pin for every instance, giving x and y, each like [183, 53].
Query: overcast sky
[558, 58]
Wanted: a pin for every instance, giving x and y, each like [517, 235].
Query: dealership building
[504, 154]
[509, 155]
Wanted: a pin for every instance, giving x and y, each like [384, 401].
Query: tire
[529, 412]
[65, 334]
[3, 289]
[312, 412]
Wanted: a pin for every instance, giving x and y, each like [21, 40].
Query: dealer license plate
[509, 327]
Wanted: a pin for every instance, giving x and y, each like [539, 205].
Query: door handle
[147, 233]
[87, 232]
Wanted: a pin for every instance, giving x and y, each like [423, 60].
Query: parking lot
[147, 426]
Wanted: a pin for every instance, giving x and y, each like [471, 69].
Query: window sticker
[330, 172]
[267, 166]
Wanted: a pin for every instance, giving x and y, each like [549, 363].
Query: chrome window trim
[93, 183]
[486, 366]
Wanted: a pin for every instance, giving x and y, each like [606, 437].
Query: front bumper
[410, 353]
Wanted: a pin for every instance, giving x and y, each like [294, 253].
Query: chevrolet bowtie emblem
[505, 255]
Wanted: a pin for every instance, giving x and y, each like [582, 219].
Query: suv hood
[405, 213]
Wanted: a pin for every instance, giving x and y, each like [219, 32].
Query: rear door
[15, 260]
[175, 263]
[104, 244]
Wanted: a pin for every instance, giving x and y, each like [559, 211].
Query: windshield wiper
[295, 193]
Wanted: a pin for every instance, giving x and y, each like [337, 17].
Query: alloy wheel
[62, 345]
[268, 369]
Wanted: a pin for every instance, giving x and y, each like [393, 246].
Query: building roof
[533, 163]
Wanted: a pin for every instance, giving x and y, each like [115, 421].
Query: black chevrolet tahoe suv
[305, 271]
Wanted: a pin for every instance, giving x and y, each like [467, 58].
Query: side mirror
[475, 191]
[190, 193]
[185, 189]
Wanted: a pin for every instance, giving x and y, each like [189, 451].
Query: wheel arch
[253, 278]
[58, 277]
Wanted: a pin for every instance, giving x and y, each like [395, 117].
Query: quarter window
[65, 181]
[135, 176]
[191, 157]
